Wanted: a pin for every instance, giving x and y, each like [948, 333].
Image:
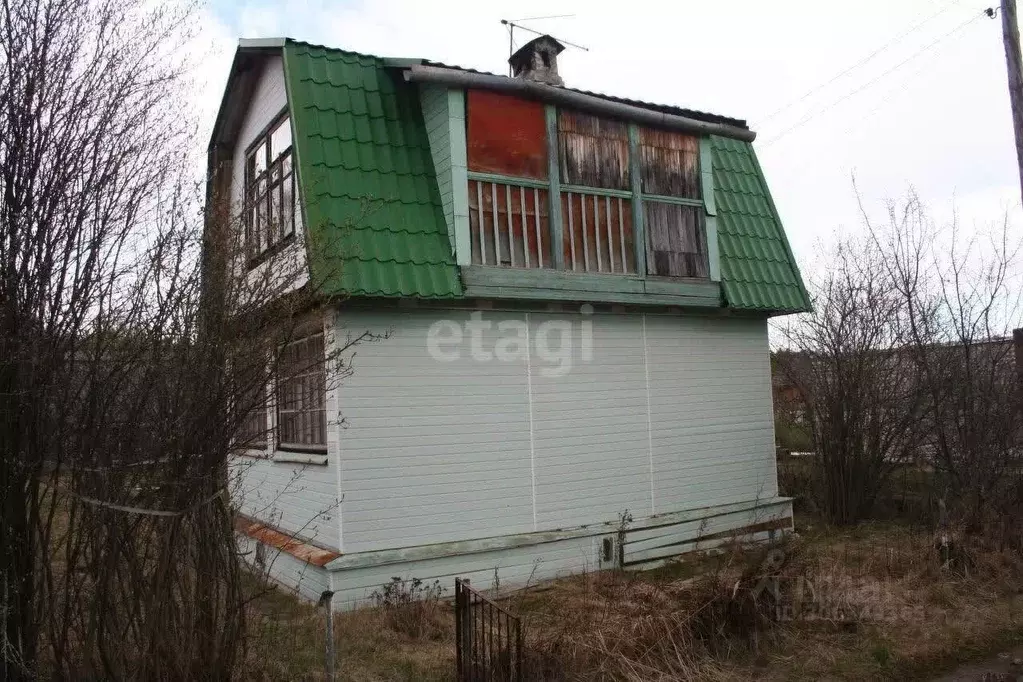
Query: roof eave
[247, 49]
[574, 98]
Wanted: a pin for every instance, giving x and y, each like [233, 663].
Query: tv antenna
[513, 24]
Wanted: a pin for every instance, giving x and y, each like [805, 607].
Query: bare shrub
[861, 395]
[412, 607]
[131, 350]
[960, 297]
[907, 362]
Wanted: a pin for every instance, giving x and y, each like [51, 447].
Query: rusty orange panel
[506, 135]
[311, 554]
[594, 151]
[669, 163]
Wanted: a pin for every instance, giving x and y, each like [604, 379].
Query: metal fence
[488, 639]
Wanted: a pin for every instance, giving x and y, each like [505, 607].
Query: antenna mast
[513, 24]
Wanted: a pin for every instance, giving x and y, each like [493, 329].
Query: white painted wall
[664, 413]
[296, 497]
[432, 451]
[277, 487]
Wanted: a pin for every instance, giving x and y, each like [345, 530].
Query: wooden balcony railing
[598, 235]
[509, 224]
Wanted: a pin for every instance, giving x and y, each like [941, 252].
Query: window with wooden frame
[301, 394]
[269, 189]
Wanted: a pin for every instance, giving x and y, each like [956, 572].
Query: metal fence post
[459, 628]
[326, 599]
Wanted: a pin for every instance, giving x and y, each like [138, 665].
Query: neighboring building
[577, 288]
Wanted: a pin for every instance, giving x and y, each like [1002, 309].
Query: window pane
[259, 224]
[669, 163]
[594, 151]
[288, 206]
[506, 135]
[675, 240]
[280, 139]
[259, 159]
[274, 227]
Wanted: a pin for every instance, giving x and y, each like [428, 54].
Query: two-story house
[575, 287]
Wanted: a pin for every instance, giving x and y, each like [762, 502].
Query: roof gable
[374, 216]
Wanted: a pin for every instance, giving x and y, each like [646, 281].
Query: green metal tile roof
[758, 270]
[373, 210]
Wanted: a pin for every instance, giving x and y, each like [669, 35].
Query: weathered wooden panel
[675, 241]
[594, 152]
[670, 163]
[507, 135]
[513, 227]
[597, 233]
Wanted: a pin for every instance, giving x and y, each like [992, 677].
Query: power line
[897, 90]
[866, 85]
[860, 63]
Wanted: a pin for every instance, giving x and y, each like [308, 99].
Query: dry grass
[287, 642]
[872, 603]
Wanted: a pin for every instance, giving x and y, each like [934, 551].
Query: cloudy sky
[924, 106]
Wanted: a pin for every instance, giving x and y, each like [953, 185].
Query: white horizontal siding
[590, 424]
[296, 498]
[306, 580]
[433, 451]
[712, 429]
[444, 451]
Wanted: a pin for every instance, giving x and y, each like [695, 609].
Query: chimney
[537, 61]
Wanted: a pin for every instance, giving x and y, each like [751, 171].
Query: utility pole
[1014, 64]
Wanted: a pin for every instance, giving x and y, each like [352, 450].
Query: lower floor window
[253, 427]
[301, 393]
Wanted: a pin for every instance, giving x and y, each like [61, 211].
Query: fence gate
[488, 639]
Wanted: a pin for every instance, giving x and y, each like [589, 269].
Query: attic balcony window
[629, 199]
[269, 190]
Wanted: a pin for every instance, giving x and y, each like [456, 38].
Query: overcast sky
[939, 121]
